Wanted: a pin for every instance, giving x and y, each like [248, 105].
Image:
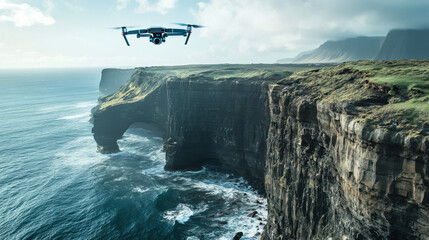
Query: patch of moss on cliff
[138, 87]
[381, 93]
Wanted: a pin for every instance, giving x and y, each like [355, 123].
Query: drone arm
[176, 34]
[143, 35]
[175, 30]
[125, 38]
[187, 38]
[137, 32]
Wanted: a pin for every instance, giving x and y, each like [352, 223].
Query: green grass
[408, 81]
[146, 80]
[405, 75]
[404, 85]
[231, 71]
[137, 88]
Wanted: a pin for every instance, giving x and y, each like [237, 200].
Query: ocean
[54, 185]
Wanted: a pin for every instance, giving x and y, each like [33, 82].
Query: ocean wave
[182, 213]
[119, 179]
[85, 104]
[76, 116]
[63, 107]
[157, 155]
[54, 108]
[192, 238]
[140, 190]
[79, 152]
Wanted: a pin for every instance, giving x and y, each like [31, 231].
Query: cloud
[121, 4]
[23, 15]
[48, 5]
[160, 6]
[291, 25]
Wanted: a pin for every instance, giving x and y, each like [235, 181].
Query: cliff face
[405, 44]
[223, 123]
[342, 151]
[112, 79]
[142, 100]
[330, 173]
[211, 115]
[351, 49]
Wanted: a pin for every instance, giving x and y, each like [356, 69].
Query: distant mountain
[351, 49]
[405, 44]
[285, 60]
[397, 45]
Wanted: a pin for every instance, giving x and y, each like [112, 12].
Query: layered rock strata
[331, 174]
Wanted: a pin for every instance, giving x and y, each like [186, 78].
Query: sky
[76, 33]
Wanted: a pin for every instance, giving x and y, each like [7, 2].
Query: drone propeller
[123, 27]
[189, 25]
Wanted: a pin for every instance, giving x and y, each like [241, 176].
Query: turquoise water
[54, 185]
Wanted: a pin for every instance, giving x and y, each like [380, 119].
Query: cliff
[347, 153]
[112, 79]
[143, 99]
[214, 114]
[351, 49]
[405, 44]
[340, 151]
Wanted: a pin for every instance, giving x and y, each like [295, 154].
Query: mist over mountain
[351, 49]
[397, 45]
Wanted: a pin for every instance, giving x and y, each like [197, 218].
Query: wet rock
[252, 214]
[237, 236]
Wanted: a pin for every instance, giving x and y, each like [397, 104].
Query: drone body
[157, 35]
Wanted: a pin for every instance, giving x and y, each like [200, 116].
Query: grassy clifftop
[145, 80]
[381, 93]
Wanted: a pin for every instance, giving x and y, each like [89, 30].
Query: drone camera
[157, 41]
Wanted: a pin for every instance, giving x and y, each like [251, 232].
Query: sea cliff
[340, 151]
[112, 79]
[348, 151]
[214, 114]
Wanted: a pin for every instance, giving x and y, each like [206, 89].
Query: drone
[157, 35]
